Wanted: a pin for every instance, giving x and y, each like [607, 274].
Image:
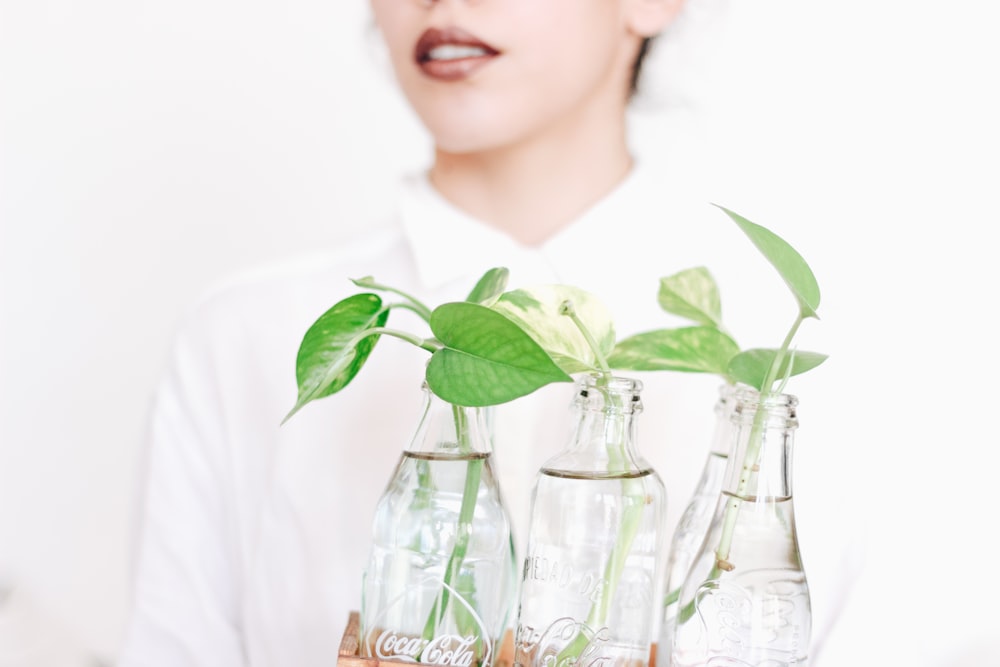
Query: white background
[148, 149]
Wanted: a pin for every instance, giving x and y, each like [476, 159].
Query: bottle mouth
[596, 390]
[777, 406]
[615, 383]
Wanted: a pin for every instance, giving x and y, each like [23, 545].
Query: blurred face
[484, 74]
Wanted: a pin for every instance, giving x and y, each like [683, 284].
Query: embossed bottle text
[449, 650]
[438, 588]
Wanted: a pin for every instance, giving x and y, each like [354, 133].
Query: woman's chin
[467, 141]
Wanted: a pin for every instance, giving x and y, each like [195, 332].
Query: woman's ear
[647, 18]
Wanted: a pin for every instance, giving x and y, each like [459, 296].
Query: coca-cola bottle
[697, 516]
[745, 599]
[593, 570]
[439, 584]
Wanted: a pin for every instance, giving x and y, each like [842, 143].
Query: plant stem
[567, 309]
[631, 491]
[428, 344]
[615, 440]
[750, 462]
[406, 305]
[466, 512]
[634, 495]
[416, 305]
[751, 459]
[616, 563]
[779, 358]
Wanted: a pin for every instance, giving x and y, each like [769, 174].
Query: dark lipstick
[451, 54]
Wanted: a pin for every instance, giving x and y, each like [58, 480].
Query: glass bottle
[745, 600]
[439, 585]
[697, 516]
[593, 566]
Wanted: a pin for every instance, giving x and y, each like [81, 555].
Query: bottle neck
[450, 430]
[726, 408]
[760, 459]
[603, 438]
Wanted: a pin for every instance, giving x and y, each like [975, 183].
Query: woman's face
[484, 74]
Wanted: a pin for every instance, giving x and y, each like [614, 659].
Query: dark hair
[644, 47]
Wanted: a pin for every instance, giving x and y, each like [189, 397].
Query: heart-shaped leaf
[487, 359]
[490, 287]
[692, 294]
[692, 349]
[335, 348]
[751, 366]
[538, 310]
[789, 263]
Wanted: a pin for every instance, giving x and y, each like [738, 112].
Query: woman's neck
[536, 187]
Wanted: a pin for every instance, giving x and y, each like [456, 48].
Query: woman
[254, 536]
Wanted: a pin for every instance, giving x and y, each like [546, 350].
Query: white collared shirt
[254, 535]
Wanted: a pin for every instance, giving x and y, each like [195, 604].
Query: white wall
[148, 149]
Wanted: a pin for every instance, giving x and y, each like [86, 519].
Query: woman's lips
[451, 54]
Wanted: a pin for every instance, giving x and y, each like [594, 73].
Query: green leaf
[692, 349]
[334, 348]
[537, 310]
[487, 358]
[692, 294]
[490, 287]
[789, 263]
[751, 366]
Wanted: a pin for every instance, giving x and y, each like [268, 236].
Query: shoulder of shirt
[274, 288]
[307, 265]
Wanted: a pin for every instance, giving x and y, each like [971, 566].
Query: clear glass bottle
[697, 516]
[745, 600]
[593, 565]
[439, 586]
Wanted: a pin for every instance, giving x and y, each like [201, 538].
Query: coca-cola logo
[449, 650]
[552, 647]
[388, 637]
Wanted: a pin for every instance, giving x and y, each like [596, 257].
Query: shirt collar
[473, 246]
[619, 212]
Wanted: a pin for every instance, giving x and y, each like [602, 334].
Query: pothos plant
[707, 347]
[497, 345]
[491, 348]
[478, 356]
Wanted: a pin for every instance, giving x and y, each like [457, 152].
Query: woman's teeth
[455, 52]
